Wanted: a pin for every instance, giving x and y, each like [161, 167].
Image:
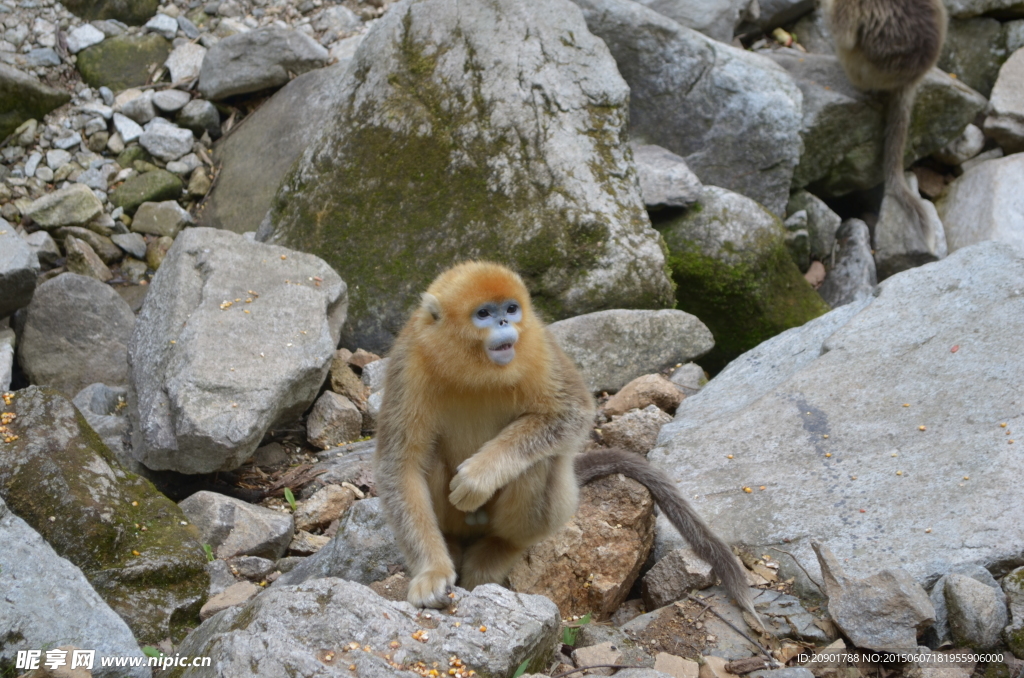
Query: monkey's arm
[519, 446]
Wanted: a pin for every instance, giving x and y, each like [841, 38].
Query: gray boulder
[257, 60]
[939, 634]
[44, 247]
[478, 178]
[936, 479]
[19, 268]
[733, 115]
[970, 143]
[884, 611]
[982, 204]
[842, 128]
[1005, 120]
[256, 156]
[48, 603]
[611, 348]
[733, 271]
[234, 336]
[75, 333]
[977, 612]
[305, 631]
[853, 277]
[716, 19]
[974, 50]
[165, 140]
[364, 550]
[665, 180]
[23, 97]
[64, 482]
[233, 527]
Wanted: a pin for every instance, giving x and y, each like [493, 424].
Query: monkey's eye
[512, 309]
[483, 313]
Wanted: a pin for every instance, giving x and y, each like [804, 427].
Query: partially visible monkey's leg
[529, 509]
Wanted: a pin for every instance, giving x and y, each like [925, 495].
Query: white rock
[166, 141]
[84, 36]
[127, 128]
[963, 148]
[986, 203]
[185, 62]
[163, 25]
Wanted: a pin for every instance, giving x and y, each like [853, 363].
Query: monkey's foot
[431, 588]
[469, 492]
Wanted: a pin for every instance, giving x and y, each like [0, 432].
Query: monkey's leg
[526, 511]
[488, 561]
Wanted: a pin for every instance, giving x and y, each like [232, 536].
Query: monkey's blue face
[499, 319]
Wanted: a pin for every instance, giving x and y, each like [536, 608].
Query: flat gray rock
[71, 206]
[944, 339]
[75, 333]
[257, 60]
[19, 268]
[48, 603]
[305, 631]
[233, 527]
[733, 115]
[611, 348]
[665, 180]
[716, 19]
[234, 336]
[166, 140]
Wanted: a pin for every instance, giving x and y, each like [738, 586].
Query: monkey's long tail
[897, 125]
[705, 543]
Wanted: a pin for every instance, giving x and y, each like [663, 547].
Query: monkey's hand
[472, 486]
[431, 588]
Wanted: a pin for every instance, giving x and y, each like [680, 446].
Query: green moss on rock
[22, 98]
[64, 482]
[123, 61]
[131, 12]
[744, 291]
[152, 186]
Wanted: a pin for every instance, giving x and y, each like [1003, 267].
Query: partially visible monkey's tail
[704, 542]
[897, 126]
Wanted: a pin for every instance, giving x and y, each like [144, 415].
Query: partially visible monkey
[889, 45]
[478, 435]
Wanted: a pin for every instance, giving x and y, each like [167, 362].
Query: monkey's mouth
[502, 354]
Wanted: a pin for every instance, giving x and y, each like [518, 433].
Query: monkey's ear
[430, 303]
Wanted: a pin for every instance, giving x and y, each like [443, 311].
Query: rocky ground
[216, 215]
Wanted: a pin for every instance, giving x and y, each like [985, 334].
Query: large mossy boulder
[485, 131]
[23, 97]
[128, 539]
[131, 12]
[843, 129]
[123, 61]
[732, 270]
